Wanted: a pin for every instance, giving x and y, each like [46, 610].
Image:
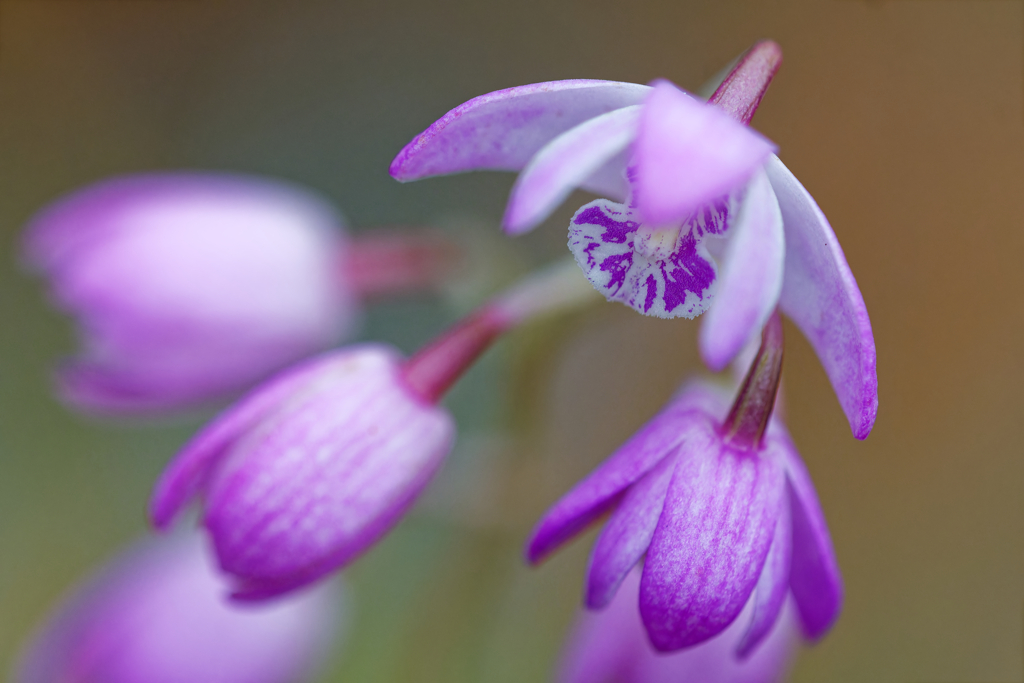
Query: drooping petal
[772, 587]
[325, 475]
[625, 537]
[711, 542]
[750, 278]
[815, 580]
[688, 153]
[592, 496]
[502, 130]
[565, 163]
[821, 296]
[190, 469]
[603, 236]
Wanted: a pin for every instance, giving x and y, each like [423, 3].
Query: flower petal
[688, 153]
[592, 496]
[772, 587]
[502, 130]
[565, 163]
[189, 470]
[750, 279]
[815, 580]
[625, 537]
[711, 542]
[821, 296]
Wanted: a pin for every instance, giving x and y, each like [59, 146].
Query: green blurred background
[903, 118]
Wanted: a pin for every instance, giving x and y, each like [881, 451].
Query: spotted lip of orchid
[189, 286]
[697, 209]
[309, 470]
[158, 614]
[720, 512]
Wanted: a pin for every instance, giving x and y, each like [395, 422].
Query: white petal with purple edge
[565, 163]
[750, 278]
[820, 295]
[502, 130]
[688, 153]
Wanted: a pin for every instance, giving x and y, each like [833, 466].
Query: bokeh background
[904, 118]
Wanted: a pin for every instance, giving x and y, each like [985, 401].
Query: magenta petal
[710, 543]
[190, 469]
[625, 537]
[821, 296]
[502, 130]
[772, 587]
[750, 278]
[815, 580]
[592, 496]
[565, 163]
[689, 153]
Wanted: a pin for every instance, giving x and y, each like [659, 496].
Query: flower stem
[432, 370]
[397, 261]
[741, 91]
[753, 406]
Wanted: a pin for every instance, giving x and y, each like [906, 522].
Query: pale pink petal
[711, 542]
[689, 153]
[502, 130]
[750, 278]
[565, 163]
[772, 588]
[820, 295]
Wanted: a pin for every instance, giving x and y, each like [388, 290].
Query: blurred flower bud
[159, 615]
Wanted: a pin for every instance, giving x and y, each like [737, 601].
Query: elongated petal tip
[689, 153]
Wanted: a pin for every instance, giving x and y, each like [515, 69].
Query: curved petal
[815, 580]
[821, 296]
[772, 587]
[625, 537]
[750, 279]
[689, 153]
[564, 164]
[188, 472]
[711, 542]
[502, 130]
[592, 497]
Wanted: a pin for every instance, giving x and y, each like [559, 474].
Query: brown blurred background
[903, 118]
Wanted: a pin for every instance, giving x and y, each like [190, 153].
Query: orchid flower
[611, 646]
[698, 209]
[158, 615]
[721, 507]
[317, 464]
[191, 286]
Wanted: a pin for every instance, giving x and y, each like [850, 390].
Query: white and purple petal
[820, 295]
[772, 586]
[750, 279]
[502, 130]
[711, 541]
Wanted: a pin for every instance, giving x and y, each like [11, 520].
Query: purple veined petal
[590, 498]
[565, 163]
[502, 130]
[750, 278]
[711, 541]
[325, 476]
[626, 535]
[689, 153]
[815, 580]
[772, 587]
[821, 296]
[190, 469]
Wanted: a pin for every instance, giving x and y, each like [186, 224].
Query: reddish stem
[753, 406]
[741, 91]
[392, 261]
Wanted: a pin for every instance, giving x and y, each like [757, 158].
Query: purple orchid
[699, 209]
[190, 286]
[611, 646]
[158, 615]
[722, 510]
[314, 466]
